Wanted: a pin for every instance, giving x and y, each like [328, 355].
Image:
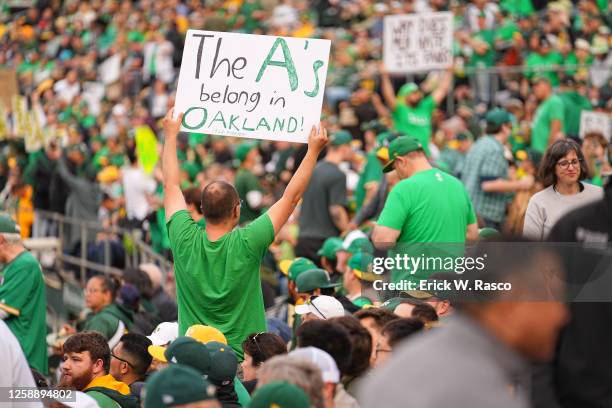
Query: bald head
[219, 199]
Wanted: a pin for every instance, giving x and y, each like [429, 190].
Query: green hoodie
[110, 393]
[106, 321]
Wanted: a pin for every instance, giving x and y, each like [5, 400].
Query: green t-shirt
[415, 121]
[246, 182]
[518, 7]
[431, 207]
[506, 32]
[549, 110]
[23, 297]
[573, 105]
[488, 58]
[218, 282]
[571, 61]
[372, 172]
[542, 64]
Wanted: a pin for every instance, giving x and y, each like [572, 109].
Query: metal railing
[92, 232]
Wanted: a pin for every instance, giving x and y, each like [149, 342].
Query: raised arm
[440, 92]
[173, 196]
[281, 210]
[387, 87]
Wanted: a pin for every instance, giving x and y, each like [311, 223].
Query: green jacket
[107, 321]
[110, 393]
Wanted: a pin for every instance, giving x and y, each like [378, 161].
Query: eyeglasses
[309, 301]
[122, 360]
[92, 290]
[565, 164]
[240, 202]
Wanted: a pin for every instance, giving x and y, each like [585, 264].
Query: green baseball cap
[340, 137]
[189, 352]
[314, 279]
[293, 268]
[385, 138]
[400, 147]
[360, 245]
[488, 232]
[7, 225]
[243, 150]
[418, 295]
[78, 147]
[498, 117]
[176, 385]
[279, 395]
[407, 89]
[374, 125]
[393, 303]
[362, 265]
[223, 363]
[329, 248]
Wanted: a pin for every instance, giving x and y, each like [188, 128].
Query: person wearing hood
[85, 368]
[107, 317]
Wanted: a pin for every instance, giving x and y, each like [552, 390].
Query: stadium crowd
[271, 301]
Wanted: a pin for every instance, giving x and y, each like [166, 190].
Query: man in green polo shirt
[412, 111]
[428, 206]
[23, 299]
[217, 268]
[547, 126]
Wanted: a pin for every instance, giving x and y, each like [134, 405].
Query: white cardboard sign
[595, 122]
[418, 42]
[254, 86]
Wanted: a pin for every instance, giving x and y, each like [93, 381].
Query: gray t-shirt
[327, 188]
[548, 206]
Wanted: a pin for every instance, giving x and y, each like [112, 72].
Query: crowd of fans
[271, 301]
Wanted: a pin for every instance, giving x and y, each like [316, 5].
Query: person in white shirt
[14, 371]
[138, 186]
[563, 168]
[67, 88]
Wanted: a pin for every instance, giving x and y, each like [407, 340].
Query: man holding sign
[217, 269]
[412, 111]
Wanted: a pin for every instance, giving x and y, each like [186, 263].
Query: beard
[414, 103]
[78, 383]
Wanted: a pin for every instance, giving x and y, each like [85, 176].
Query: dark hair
[400, 329]
[218, 201]
[494, 128]
[132, 157]
[262, 346]
[140, 280]
[600, 138]
[39, 380]
[327, 336]
[193, 196]
[136, 347]
[556, 152]
[424, 312]
[109, 284]
[381, 316]
[361, 342]
[90, 341]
